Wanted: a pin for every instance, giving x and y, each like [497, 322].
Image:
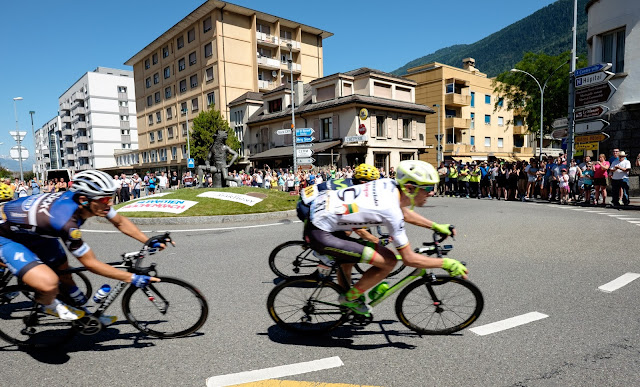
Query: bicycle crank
[360, 320]
[88, 325]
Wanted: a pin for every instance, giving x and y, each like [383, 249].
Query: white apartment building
[47, 146]
[97, 118]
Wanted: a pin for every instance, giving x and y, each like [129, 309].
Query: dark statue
[218, 154]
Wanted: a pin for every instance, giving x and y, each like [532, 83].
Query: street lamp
[439, 149]
[541, 96]
[15, 112]
[186, 124]
[293, 118]
[35, 147]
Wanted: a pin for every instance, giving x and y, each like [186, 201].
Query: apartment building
[360, 116]
[48, 146]
[214, 55]
[470, 125]
[96, 118]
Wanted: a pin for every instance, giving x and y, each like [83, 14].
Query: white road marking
[274, 372]
[619, 282]
[633, 221]
[200, 229]
[578, 209]
[508, 323]
[597, 211]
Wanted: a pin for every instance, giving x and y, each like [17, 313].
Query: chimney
[298, 92]
[469, 64]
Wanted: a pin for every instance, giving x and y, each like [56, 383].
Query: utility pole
[293, 104]
[572, 87]
[18, 138]
[35, 146]
[439, 148]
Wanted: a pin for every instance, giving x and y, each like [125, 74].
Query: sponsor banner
[232, 197]
[174, 206]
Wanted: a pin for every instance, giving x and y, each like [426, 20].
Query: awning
[462, 159]
[287, 151]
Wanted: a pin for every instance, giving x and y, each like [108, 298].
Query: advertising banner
[233, 197]
[174, 206]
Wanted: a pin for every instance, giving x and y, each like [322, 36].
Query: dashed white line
[508, 323]
[274, 372]
[619, 282]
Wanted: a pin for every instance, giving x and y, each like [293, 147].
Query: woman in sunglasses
[34, 226]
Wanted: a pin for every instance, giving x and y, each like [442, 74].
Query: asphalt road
[524, 257]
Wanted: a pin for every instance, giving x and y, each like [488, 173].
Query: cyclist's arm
[90, 261]
[416, 219]
[128, 228]
[366, 235]
[413, 259]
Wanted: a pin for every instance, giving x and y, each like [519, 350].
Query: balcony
[266, 39]
[65, 119]
[124, 110]
[45, 160]
[457, 122]
[453, 99]
[295, 45]
[82, 140]
[523, 149]
[65, 106]
[457, 149]
[123, 96]
[519, 129]
[266, 85]
[83, 153]
[84, 167]
[67, 132]
[77, 96]
[79, 110]
[125, 139]
[124, 125]
[285, 67]
[271, 63]
[70, 156]
[81, 125]
[67, 144]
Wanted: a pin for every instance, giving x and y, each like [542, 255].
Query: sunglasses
[105, 200]
[427, 188]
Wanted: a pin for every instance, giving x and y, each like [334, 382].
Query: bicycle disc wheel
[169, 308]
[460, 304]
[293, 259]
[23, 324]
[306, 305]
[362, 267]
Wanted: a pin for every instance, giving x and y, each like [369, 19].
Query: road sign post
[282, 132]
[594, 126]
[304, 152]
[594, 94]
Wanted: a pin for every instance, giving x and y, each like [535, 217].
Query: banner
[174, 206]
[233, 197]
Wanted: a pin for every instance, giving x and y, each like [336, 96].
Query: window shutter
[336, 126]
[390, 122]
[373, 128]
[400, 123]
[414, 129]
[316, 129]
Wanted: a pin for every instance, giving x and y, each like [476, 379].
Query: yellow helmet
[6, 193]
[366, 172]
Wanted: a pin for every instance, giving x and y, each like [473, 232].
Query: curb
[208, 219]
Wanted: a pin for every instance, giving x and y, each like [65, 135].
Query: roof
[249, 95]
[364, 71]
[288, 150]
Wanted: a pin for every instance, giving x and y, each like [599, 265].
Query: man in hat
[620, 179]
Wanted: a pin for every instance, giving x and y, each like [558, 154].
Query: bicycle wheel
[169, 308]
[293, 259]
[306, 305]
[23, 324]
[362, 267]
[459, 303]
[82, 282]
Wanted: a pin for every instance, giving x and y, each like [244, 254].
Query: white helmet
[417, 173]
[93, 184]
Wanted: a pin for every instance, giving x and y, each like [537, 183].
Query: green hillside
[547, 30]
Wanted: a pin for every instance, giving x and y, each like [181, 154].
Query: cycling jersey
[311, 192]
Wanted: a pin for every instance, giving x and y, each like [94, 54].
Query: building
[96, 118]
[613, 36]
[360, 116]
[47, 146]
[470, 125]
[214, 55]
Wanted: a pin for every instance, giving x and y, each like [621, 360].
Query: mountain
[14, 165]
[547, 30]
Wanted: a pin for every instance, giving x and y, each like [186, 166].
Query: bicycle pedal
[88, 325]
[360, 320]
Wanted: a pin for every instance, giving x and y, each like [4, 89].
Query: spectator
[136, 185]
[162, 182]
[474, 180]
[523, 178]
[453, 179]
[600, 169]
[62, 185]
[463, 180]
[587, 180]
[485, 180]
[501, 178]
[51, 186]
[512, 181]
[620, 179]
[614, 156]
[563, 184]
[442, 172]
[531, 171]
[187, 180]
[118, 184]
[22, 190]
[35, 187]
[575, 173]
[125, 184]
[638, 160]
[174, 182]
[152, 184]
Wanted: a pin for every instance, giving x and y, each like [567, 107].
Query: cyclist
[380, 202]
[31, 227]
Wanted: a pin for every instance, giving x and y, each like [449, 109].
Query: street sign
[306, 160]
[364, 114]
[15, 135]
[305, 152]
[301, 140]
[587, 146]
[349, 139]
[17, 155]
[594, 94]
[560, 123]
[592, 69]
[594, 79]
[591, 138]
[560, 133]
[304, 132]
[305, 166]
[281, 132]
[590, 126]
[362, 129]
[191, 163]
[591, 112]
[305, 145]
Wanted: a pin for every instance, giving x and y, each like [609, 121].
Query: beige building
[358, 116]
[214, 55]
[471, 127]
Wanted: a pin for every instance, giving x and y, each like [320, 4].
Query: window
[487, 141]
[406, 128]
[326, 128]
[473, 99]
[487, 119]
[501, 102]
[167, 72]
[183, 108]
[192, 58]
[472, 141]
[160, 135]
[473, 121]
[124, 118]
[174, 152]
[208, 74]
[206, 24]
[180, 42]
[613, 49]
[181, 64]
[500, 121]
[275, 105]
[380, 132]
[150, 119]
[147, 64]
[158, 119]
[449, 113]
[152, 137]
[208, 50]
[487, 99]
[123, 103]
[450, 88]
[500, 142]
[284, 34]
[183, 85]
[167, 92]
[170, 132]
[380, 160]
[194, 80]
[147, 82]
[169, 113]
[194, 104]
[157, 96]
[149, 100]
[155, 58]
[211, 99]
[184, 130]
[165, 51]
[122, 89]
[191, 35]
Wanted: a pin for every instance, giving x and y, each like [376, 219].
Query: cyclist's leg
[53, 254]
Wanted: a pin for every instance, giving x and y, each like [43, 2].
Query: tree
[518, 89]
[4, 173]
[204, 127]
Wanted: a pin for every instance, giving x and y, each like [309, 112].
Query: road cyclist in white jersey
[385, 202]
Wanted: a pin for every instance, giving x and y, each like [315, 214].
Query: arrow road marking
[619, 282]
[274, 372]
[508, 323]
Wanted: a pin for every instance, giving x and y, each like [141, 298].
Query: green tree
[204, 127]
[518, 89]
[4, 172]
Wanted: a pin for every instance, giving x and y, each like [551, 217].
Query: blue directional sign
[301, 140]
[592, 69]
[304, 132]
[191, 163]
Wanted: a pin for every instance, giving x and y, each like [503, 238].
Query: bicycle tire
[83, 283]
[451, 314]
[178, 296]
[362, 267]
[293, 259]
[293, 307]
[23, 324]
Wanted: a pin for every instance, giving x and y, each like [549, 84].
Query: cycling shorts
[338, 245]
[20, 259]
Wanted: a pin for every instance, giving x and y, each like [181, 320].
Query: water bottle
[77, 295]
[101, 294]
[378, 291]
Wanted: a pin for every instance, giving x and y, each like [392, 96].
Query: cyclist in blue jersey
[31, 229]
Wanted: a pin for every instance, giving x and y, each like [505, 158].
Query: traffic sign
[364, 114]
[587, 146]
[362, 129]
[191, 163]
[560, 133]
[304, 132]
[592, 69]
[306, 160]
[305, 166]
[560, 123]
[305, 152]
[15, 135]
[281, 132]
[17, 155]
[355, 139]
[305, 145]
[594, 79]
[590, 126]
[592, 138]
[591, 112]
[594, 94]
[301, 140]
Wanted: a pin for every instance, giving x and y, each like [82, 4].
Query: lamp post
[35, 147]
[541, 97]
[293, 104]
[185, 111]
[439, 149]
[19, 140]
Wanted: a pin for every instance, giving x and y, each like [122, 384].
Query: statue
[218, 153]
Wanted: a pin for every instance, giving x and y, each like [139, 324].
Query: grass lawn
[274, 201]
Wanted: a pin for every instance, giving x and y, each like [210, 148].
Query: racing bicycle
[166, 309]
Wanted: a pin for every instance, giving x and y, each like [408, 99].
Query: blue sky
[49, 45]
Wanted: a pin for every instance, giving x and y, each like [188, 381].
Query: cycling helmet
[366, 172]
[417, 173]
[93, 184]
[6, 193]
